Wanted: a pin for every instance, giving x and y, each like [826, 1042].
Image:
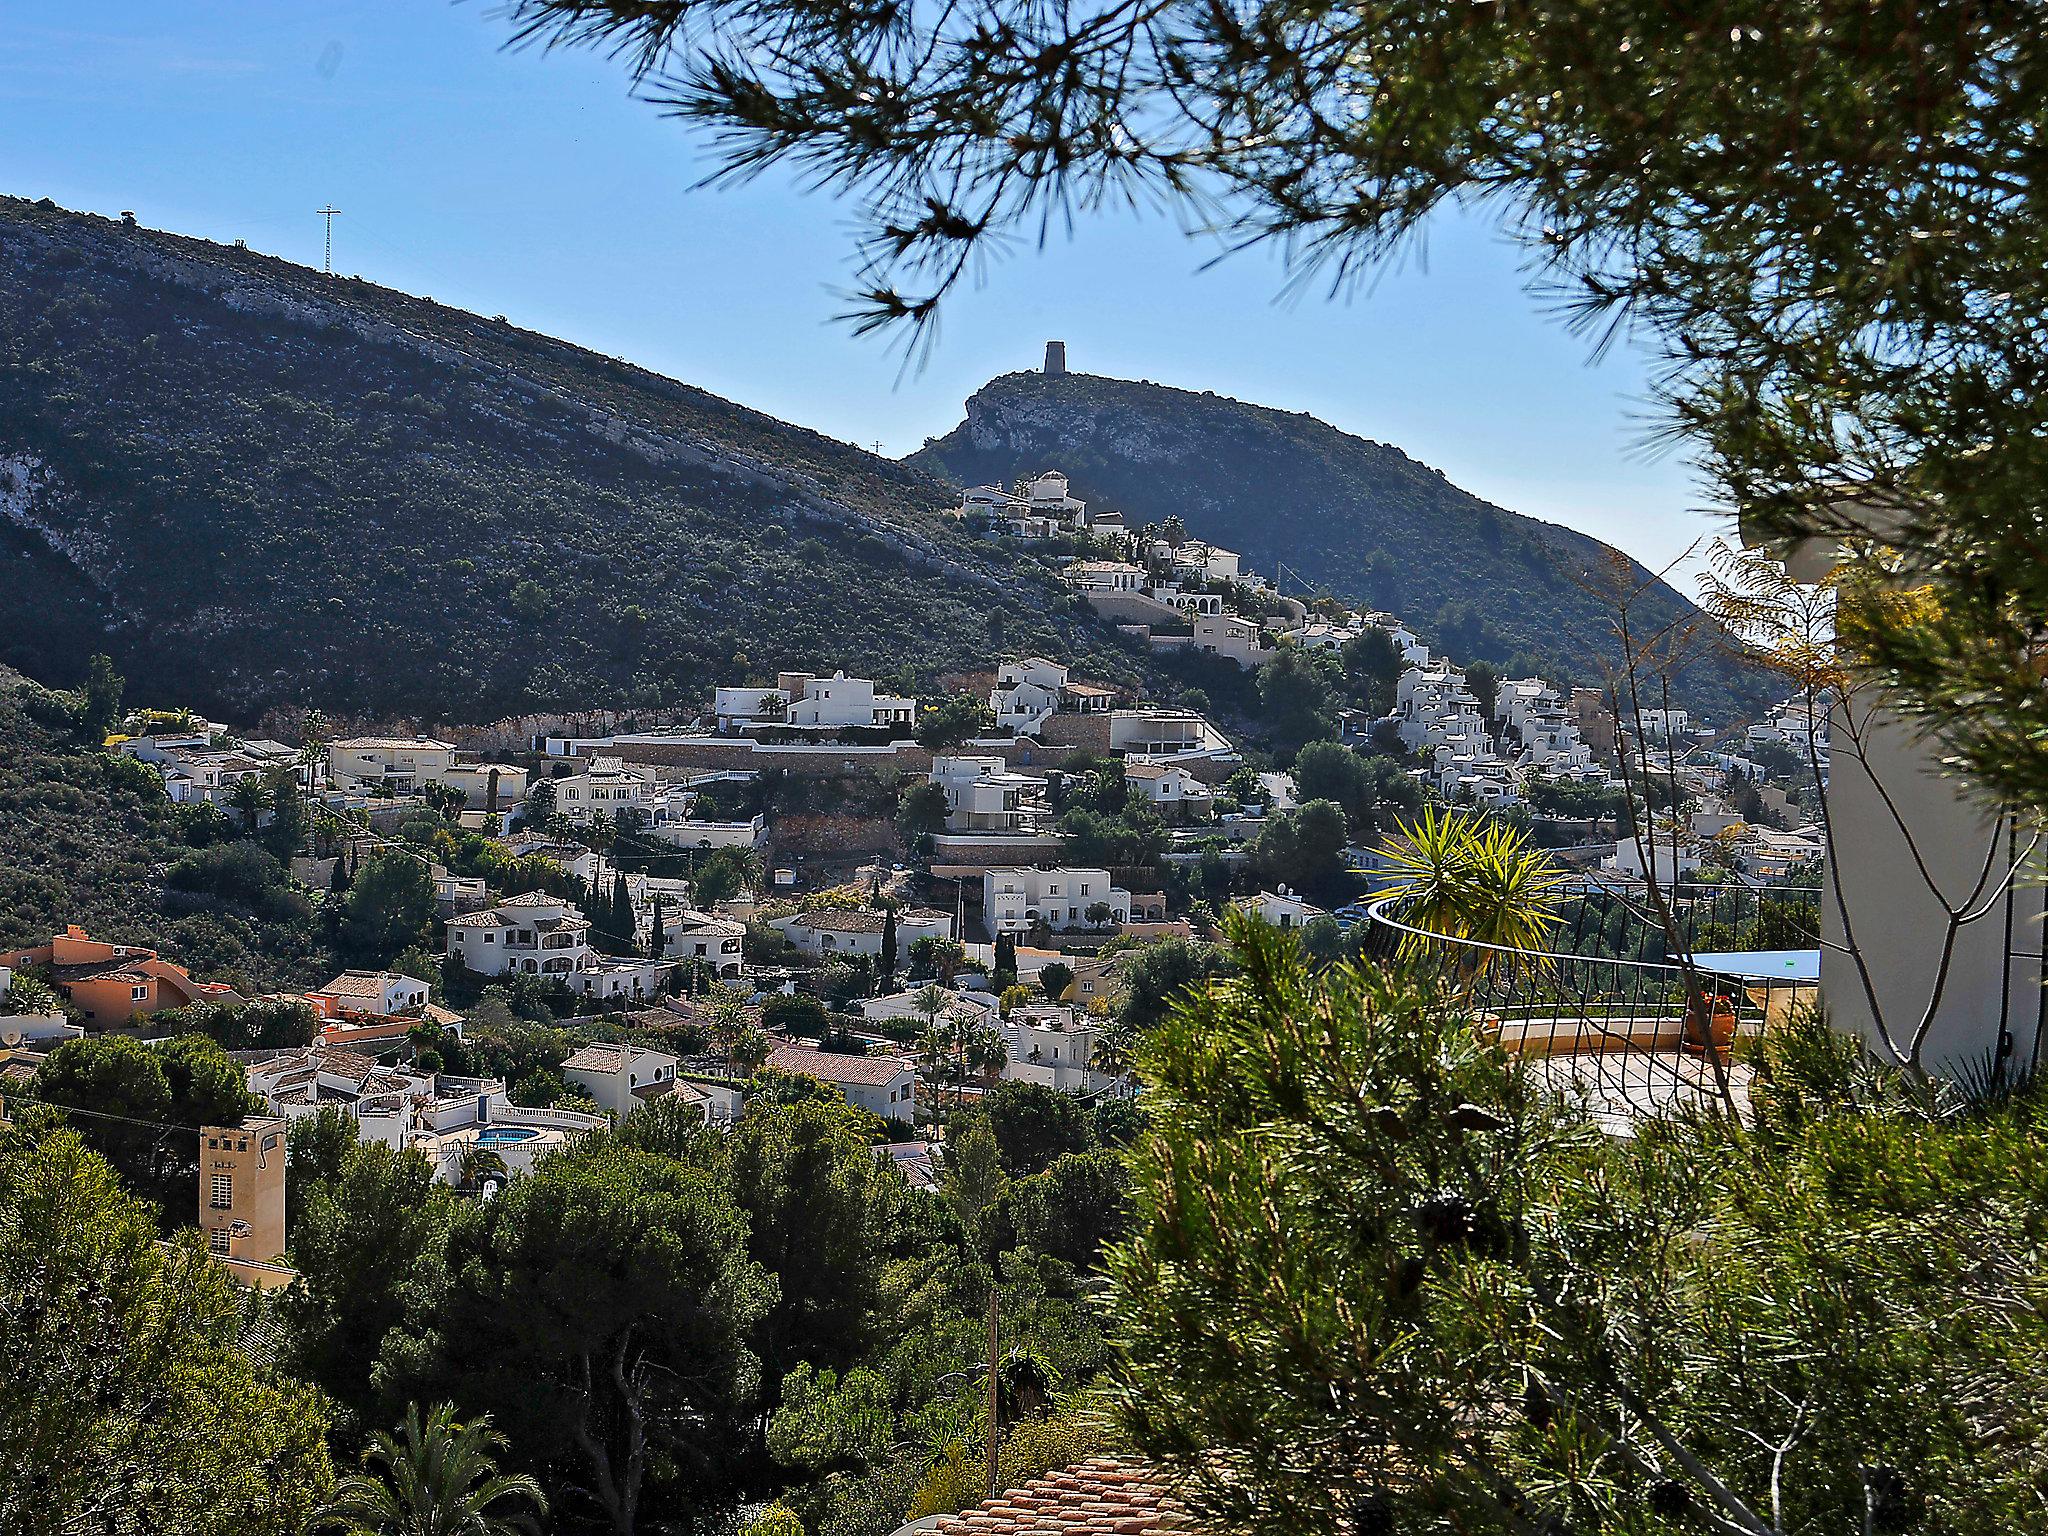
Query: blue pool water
[503, 1135]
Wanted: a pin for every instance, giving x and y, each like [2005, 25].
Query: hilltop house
[1015, 898]
[1233, 638]
[1105, 576]
[802, 701]
[395, 764]
[1030, 692]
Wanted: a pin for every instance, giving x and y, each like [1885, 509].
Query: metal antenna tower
[327, 257]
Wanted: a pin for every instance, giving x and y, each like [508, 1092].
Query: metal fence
[1622, 1036]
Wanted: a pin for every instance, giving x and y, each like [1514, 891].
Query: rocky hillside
[256, 485]
[1359, 518]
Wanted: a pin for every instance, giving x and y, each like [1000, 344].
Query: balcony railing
[1623, 1037]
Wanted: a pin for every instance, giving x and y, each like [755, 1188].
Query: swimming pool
[504, 1135]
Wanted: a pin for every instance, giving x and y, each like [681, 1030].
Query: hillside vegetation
[1358, 518]
[86, 837]
[256, 485]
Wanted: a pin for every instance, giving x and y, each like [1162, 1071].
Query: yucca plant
[1478, 880]
[437, 1478]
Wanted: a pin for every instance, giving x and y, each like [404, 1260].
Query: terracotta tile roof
[1105, 1496]
[833, 1067]
[598, 1056]
[841, 920]
[534, 899]
[368, 985]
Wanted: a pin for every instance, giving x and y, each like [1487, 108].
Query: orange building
[113, 985]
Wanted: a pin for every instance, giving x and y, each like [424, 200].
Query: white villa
[984, 794]
[806, 702]
[599, 793]
[400, 764]
[621, 1077]
[1052, 1044]
[442, 1116]
[1015, 898]
[1030, 692]
[1280, 908]
[826, 932]
[882, 1085]
[687, 934]
[1105, 576]
[537, 934]
[1168, 786]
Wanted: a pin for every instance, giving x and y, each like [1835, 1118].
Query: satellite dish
[11, 1038]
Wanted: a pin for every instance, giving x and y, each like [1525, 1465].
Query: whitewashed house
[1014, 898]
[621, 1077]
[1168, 786]
[882, 1085]
[984, 794]
[1280, 908]
[607, 787]
[1052, 1044]
[834, 932]
[535, 934]
[399, 764]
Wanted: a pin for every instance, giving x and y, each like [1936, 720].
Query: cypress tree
[622, 913]
[888, 956]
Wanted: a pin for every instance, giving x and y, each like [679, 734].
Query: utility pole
[327, 257]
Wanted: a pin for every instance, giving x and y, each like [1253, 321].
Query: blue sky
[530, 184]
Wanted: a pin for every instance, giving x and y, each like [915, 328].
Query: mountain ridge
[1361, 518]
[209, 451]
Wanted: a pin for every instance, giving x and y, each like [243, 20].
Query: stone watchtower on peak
[1055, 358]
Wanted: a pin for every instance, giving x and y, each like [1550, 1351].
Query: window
[217, 1240]
[139, 994]
[223, 1192]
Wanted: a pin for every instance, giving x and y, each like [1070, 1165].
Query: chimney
[1055, 358]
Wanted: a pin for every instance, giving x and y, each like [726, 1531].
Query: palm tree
[478, 1164]
[987, 1052]
[250, 796]
[1480, 881]
[934, 1048]
[749, 1051]
[1111, 1056]
[439, 1478]
[727, 1006]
